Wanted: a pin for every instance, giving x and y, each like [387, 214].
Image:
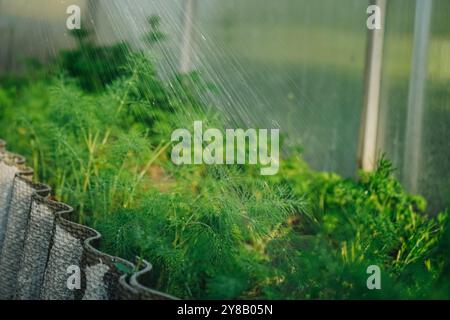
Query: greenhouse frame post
[416, 98]
[367, 153]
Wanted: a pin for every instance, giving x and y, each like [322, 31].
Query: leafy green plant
[371, 221]
[214, 231]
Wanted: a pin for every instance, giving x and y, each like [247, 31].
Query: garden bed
[215, 231]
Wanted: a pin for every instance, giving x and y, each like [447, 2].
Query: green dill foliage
[154, 34]
[93, 66]
[205, 243]
[99, 134]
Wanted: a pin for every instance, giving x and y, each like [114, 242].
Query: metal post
[367, 155]
[416, 99]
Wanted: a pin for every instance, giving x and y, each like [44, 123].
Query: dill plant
[217, 231]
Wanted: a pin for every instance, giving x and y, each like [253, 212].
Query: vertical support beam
[186, 45]
[416, 98]
[367, 155]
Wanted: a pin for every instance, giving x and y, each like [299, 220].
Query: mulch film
[46, 256]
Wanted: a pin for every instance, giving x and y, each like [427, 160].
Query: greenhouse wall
[294, 64]
[425, 142]
[32, 30]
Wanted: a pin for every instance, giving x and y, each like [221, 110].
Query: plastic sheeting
[415, 117]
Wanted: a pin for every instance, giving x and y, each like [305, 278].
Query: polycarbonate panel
[297, 65]
[423, 141]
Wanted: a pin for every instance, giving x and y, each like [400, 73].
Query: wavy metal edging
[128, 285]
